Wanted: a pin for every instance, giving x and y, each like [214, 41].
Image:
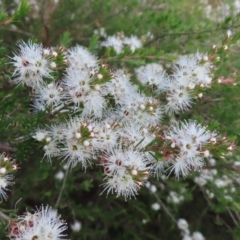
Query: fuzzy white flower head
[105, 137]
[133, 42]
[49, 94]
[40, 135]
[153, 75]
[175, 197]
[126, 172]
[122, 184]
[43, 224]
[76, 226]
[94, 103]
[187, 237]
[155, 206]
[59, 175]
[200, 181]
[153, 188]
[190, 71]
[51, 150]
[119, 86]
[188, 138]
[77, 85]
[182, 224]
[5, 181]
[131, 110]
[197, 236]
[80, 59]
[178, 98]
[115, 42]
[31, 66]
[135, 135]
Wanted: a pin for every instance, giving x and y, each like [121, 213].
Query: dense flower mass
[116, 123]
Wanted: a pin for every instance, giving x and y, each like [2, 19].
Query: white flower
[144, 221]
[210, 194]
[197, 236]
[220, 183]
[190, 70]
[174, 197]
[133, 42]
[115, 42]
[182, 224]
[119, 86]
[30, 65]
[187, 237]
[77, 85]
[153, 188]
[80, 59]
[157, 167]
[94, 103]
[135, 135]
[105, 138]
[131, 110]
[129, 161]
[75, 152]
[57, 132]
[178, 98]
[43, 224]
[51, 150]
[152, 74]
[50, 94]
[5, 180]
[40, 135]
[200, 181]
[155, 206]
[126, 171]
[59, 175]
[76, 226]
[188, 138]
[122, 184]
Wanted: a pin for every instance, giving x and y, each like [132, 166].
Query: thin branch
[190, 33]
[165, 208]
[18, 31]
[62, 188]
[5, 147]
[5, 217]
[233, 218]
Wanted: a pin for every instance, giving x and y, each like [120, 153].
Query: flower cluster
[116, 124]
[218, 185]
[191, 75]
[221, 11]
[118, 42]
[43, 224]
[190, 143]
[183, 226]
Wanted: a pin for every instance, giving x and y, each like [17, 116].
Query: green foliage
[177, 27]
[21, 12]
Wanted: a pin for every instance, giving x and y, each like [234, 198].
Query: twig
[191, 33]
[5, 147]
[233, 218]
[18, 31]
[62, 188]
[165, 208]
[5, 217]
